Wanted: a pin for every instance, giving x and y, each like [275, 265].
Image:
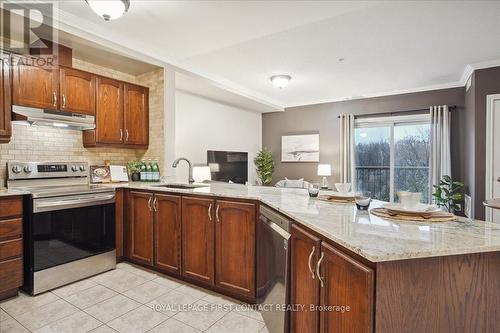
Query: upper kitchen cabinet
[109, 111]
[5, 99]
[122, 118]
[34, 86]
[77, 91]
[136, 114]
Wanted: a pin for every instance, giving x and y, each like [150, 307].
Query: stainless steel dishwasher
[273, 257]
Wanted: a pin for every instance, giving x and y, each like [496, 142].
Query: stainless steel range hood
[50, 118]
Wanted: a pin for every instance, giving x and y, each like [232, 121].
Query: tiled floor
[128, 300]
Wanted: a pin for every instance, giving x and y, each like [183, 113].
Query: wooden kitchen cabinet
[77, 91]
[5, 99]
[235, 247]
[198, 239]
[34, 86]
[347, 283]
[11, 249]
[304, 284]
[322, 277]
[167, 231]
[109, 111]
[136, 117]
[141, 226]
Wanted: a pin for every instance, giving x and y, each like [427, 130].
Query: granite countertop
[371, 237]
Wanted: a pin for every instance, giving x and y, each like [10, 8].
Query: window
[392, 154]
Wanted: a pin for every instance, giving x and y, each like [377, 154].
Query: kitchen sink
[183, 186]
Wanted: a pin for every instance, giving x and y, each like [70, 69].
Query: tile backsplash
[33, 143]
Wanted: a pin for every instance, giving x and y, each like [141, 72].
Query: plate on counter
[419, 209]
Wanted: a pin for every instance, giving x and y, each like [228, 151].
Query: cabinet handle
[149, 203]
[54, 99]
[210, 212]
[121, 134]
[318, 268]
[217, 214]
[155, 204]
[63, 101]
[309, 261]
[126, 135]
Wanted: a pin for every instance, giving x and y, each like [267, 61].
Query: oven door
[70, 228]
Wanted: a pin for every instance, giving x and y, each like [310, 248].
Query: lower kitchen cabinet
[11, 246]
[235, 247]
[198, 239]
[337, 292]
[304, 284]
[167, 232]
[141, 227]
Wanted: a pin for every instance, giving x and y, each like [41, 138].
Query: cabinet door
[136, 115]
[346, 283]
[235, 247]
[5, 99]
[304, 284]
[168, 232]
[34, 86]
[109, 111]
[198, 239]
[141, 227]
[77, 91]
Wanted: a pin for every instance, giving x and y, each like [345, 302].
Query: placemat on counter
[417, 217]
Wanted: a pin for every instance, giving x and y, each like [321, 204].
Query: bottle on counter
[149, 171]
[143, 171]
[156, 171]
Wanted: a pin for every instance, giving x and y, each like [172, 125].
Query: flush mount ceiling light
[109, 9]
[280, 81]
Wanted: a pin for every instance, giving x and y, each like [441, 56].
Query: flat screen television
[228, 166]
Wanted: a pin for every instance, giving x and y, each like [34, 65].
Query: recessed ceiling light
[280, 81]
[109, 9]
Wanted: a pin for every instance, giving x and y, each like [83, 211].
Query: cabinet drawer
[11, 274]
[11, 228]
[11, 249]
[10, 207]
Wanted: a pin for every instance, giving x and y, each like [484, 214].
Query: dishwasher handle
[276, 228]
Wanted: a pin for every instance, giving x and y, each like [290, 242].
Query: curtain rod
[450, 107]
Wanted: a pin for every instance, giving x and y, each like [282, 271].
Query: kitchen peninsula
[395, 276]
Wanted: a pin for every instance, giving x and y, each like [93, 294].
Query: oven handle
[47, 205]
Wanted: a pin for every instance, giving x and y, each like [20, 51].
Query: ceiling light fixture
[280, 81]
[109, 9]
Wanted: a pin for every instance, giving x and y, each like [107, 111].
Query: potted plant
[448, 194]
[134, 169]
[265, 166]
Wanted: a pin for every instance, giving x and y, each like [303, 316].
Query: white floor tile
[103, 329]
[79, 322]
[139, 320]
[10, 325]
[112, 308]
[119, 280]
[91, 296]
[168, 282]
[173, 326]
[146, 292]
[235, 323]
[147, 274]
[192, 291]
[24, 303]
[201, 318]
[171, 302]
[74, 288]
[46, 314]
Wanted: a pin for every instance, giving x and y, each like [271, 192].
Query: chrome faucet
[174, 165]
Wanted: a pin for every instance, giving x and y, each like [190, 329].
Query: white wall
[202, 124]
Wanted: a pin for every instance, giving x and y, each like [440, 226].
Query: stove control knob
[74, 168]
[27, 169]
[82, 168]
[16, 169]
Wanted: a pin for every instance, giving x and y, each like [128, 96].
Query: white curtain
[347, 149]
[440, 143]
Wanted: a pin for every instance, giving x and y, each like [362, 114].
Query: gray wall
[322, 118]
